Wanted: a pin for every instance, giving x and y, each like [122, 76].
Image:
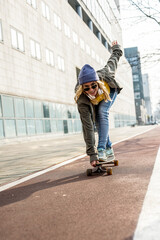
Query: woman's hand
[114, 43]
[94, 163]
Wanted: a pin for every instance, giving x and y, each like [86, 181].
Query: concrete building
[133, 57]
[147, 98]
[43, 45]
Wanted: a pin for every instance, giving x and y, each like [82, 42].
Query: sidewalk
[18, 159]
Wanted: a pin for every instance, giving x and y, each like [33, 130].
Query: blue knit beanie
[87, 74]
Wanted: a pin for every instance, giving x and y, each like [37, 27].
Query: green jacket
[86, 108]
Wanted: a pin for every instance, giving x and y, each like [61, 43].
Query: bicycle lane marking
[148, 227]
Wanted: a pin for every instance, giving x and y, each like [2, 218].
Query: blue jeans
[102, 121]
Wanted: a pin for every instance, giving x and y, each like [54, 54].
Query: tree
[146, 11]
[149, 8]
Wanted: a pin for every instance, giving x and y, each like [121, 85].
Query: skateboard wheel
[109, 171]
[89, 172]
[116, 163]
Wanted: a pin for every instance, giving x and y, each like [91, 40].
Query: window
[17, 40]
[0, 107]
[88, 51]
[90, 24]
[137, 95]
[47, 126]
[46, 110]
[65, 126]
[79, 11]
[32, 3]
[93, 54]
[39, 126]
[136, 86]
[135, 78]
[49, 57]
[135, 69]
[30, 127]
[79, 126]
[52, 110]
[54, 126]
[1, 129]
[99, 36]
[70, 125]
[60, 63]
[77, 72]
[69, 115]
[8, 108]
[57, 21]
[82, 44]
[58, 110]
[10, 128]
[75, 38]
[29, 108]
[60, 126]
[133, 60]
[106, 44]
[38, 109]
[97, 58]
[64, 111]
[19, 107]
[35, 49]
[73, 113]
[67, 30]
[1, 35]
[21, 127]
[45, 11]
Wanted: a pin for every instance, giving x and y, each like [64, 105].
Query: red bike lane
[66, 204]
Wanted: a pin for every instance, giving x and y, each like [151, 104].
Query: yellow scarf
[100, 97]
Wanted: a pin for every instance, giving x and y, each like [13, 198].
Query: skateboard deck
[103, 166]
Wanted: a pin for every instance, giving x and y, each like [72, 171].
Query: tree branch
[147, 15]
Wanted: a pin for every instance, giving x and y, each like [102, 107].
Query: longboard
[103, 167]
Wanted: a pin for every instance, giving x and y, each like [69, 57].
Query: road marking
[148, 227]
[12, 184]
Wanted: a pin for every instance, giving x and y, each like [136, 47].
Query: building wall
[133, 57]
[147, 99]
[31, 79]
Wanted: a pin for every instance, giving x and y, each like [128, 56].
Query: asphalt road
[66, 204]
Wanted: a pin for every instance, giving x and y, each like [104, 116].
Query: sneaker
[102, 155]
[109, 153]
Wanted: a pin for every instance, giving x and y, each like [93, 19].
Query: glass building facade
[26, 117]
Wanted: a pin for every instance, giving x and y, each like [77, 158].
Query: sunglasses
[88, 88]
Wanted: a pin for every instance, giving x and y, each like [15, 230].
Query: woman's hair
[101, 85]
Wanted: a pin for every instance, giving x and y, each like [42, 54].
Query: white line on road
[12, 184]
[148, 227]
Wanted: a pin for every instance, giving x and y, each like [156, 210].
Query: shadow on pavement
[22, 192]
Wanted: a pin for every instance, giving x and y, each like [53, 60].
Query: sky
[144, 33]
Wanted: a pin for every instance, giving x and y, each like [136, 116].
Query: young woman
[95, 94]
